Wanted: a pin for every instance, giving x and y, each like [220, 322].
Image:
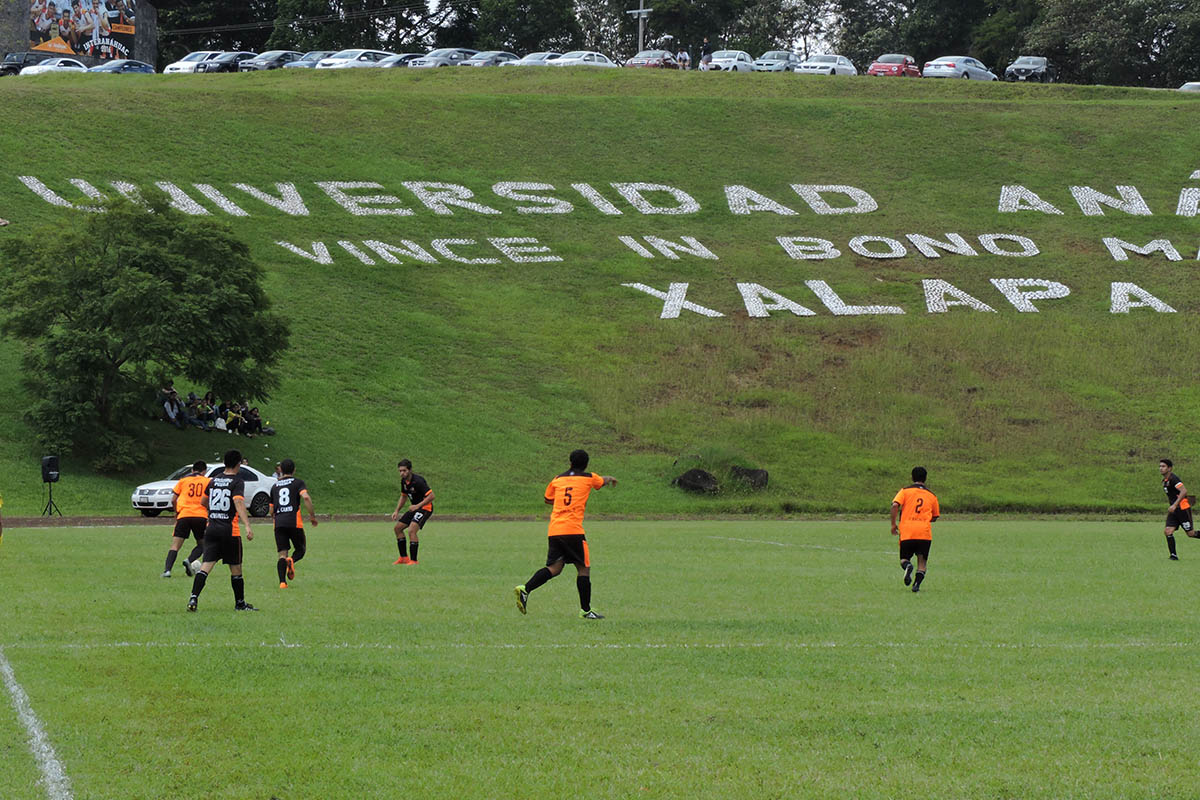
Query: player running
[187, 498]
[1179, 507]
[568, 493]
[286, 495]
[414, 489]
[914, 510]
[226, 500]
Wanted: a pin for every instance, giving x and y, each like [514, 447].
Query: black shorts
[221, 545]
[191, 526]
[571, 549]
[417, 515]
[914, 547]
[289, 537]
[1180, 518]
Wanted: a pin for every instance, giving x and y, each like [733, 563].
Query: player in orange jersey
[914, 510]
[1179, 506]
[568, 493]
[191, 516]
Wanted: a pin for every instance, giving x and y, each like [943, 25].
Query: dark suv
[13, 63]
[1031, 68]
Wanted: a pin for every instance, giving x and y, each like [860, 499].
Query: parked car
[353, 59]
[1031, 68]
[539, 59]
[1190, 86]
[124, 66]
[152, 499]
[272, 59]
[655, 59]
[583, 58]
[826, 64]
[443, 57]
[188, 63]
[229, 61]
[963, 67]
[54, 65]
[489, 58]
[895, 65]
[13, 63]
[309, 60]
[777, 61]
[401, 60]
[731, 61]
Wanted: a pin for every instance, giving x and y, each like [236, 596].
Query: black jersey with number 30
[285, 499]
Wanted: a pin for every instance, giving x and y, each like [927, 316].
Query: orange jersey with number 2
[918, 507]
[569, 492]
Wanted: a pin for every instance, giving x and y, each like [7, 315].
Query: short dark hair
[233, 458]
[287, 466]
[579, 459]
[404, 462]
[1166, 461]
[200, 466]
[919, 474]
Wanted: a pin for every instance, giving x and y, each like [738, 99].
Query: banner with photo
[97, 28]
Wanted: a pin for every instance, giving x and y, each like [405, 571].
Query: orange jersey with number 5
[918, 509]
[569, 492]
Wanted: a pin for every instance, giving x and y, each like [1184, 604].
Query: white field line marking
[58, 786]
[794, 544]
[826, 645]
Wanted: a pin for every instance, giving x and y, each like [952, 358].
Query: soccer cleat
[590, 615]
[400, 560]
[916, 587]
[244, 607]
[908, 571]
[291, 569]
[412, 563]
[187, 567]
[522, 597]
[1173, 557]
[191, 604]
[282, 585]
[166, 573]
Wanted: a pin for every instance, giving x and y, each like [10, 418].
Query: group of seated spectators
[210, 414]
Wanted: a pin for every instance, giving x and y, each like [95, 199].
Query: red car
[896, 65]
[661, 59]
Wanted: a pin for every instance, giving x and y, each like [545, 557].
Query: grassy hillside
[487, 374]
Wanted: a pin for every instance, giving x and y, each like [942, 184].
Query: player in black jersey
[1179, 506]
[226, 501]
[414, 489]
[286, 495]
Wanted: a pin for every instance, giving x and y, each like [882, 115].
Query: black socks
[412, 551]
[239, 589]
[171, 554]
[281, 568]
[584, 584]
[1171, 544]
[402, 546]
[198, 582]
[539, 577]
[920, 576]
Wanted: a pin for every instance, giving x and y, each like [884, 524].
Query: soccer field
[739, 659]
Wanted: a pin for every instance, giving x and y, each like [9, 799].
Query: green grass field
[487, 375]
[739, 659]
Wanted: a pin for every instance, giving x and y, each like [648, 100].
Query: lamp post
[641, 12]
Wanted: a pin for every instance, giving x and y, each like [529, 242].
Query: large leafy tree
[524, 26]
[113, 305]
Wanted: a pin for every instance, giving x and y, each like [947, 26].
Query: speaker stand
[51, 507]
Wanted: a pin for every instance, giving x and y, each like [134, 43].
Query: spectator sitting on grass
[173, 409]
[254, 424]
[192, 414]
[234, 421]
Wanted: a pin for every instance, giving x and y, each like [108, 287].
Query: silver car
[188, 63]
[489, 58]
[54, 65]
[445, 57]
[353, 59]
[1190, 86]
[583, 58]
[826, 64]
[152, 499]
[272, 59]
[310, 59]
[402, 60]
[963, 67]
[730, 61]
[777, 61]
[540, 59]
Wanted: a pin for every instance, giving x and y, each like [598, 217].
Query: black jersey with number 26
[222, 489]
[285, 498]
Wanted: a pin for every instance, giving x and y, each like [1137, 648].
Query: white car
[154, 498]
[351, 59]
[730, 61]
[583, 58]
[54, 65]
[540, 59]
[1190, 86]
[442, 57]
[963, 67]
[829, 64]
[188, 63]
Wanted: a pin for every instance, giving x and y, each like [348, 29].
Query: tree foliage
[114, 305]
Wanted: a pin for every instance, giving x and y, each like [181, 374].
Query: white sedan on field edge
[830, 64]
[731, 61]
[54, 65]
[582, 58]
[963, 67]
[154, 498]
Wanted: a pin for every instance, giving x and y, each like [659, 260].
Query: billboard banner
[97, 28]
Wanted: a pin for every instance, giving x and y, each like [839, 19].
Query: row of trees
[1119, 42]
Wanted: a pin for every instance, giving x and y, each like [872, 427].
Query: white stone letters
[1090, 201]
[936, 292]
[1122, 299]
[635, 193]
[753, 295]
[674, 300]
[834, 303]
[362, 206]
[813, 195]
[808, 248]
[1013, 290]
[1121, 249]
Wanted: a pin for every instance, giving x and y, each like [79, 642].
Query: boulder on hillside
[753, 478]
[697, 480]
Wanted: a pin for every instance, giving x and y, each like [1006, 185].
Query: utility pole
[641, 12]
